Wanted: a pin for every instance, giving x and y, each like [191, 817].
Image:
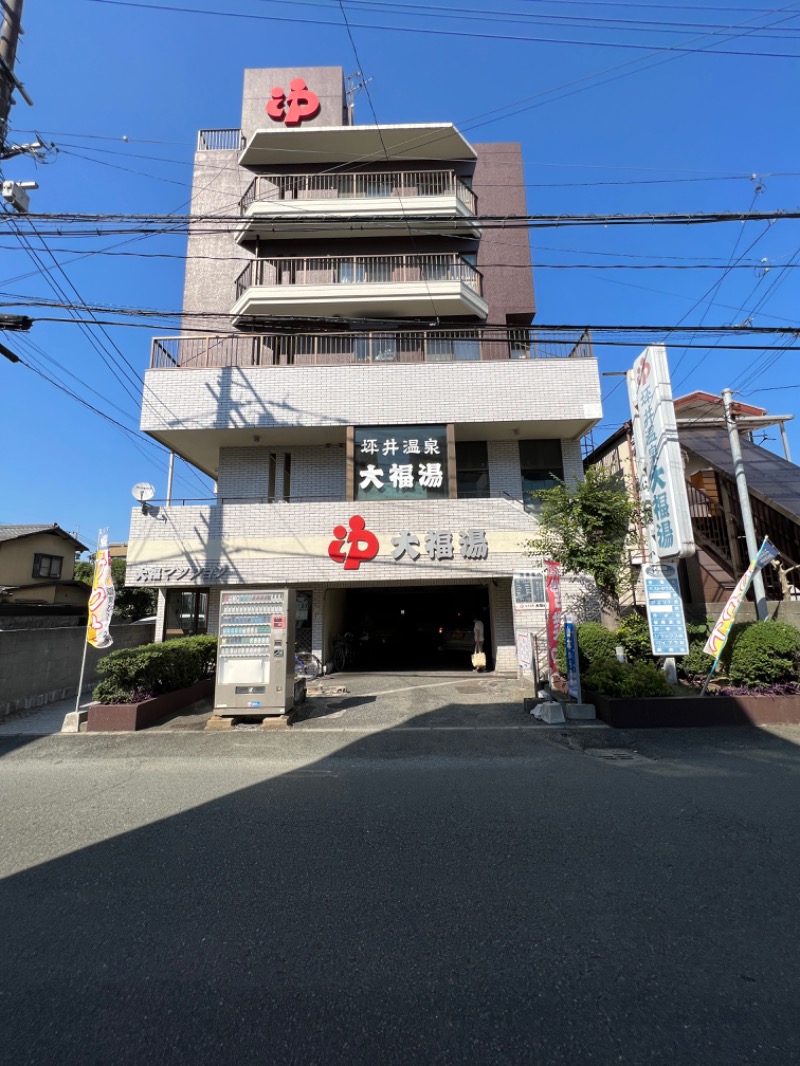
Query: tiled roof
[14, 532]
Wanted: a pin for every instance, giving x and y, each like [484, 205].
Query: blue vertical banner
[573, 670]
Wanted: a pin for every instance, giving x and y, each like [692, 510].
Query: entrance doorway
[428, 628]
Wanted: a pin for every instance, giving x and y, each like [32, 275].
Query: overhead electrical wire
[682, 49]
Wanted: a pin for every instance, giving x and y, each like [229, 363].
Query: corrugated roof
[769, 476]
[14, 532]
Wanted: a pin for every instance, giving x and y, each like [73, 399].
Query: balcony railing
[326, 349]
[364, 186]
[359, 270]
[219, 140]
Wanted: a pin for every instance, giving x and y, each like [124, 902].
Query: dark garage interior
[417, 628]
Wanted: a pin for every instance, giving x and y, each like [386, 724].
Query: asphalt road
[445, 897]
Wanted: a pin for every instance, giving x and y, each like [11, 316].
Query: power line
[428, 31]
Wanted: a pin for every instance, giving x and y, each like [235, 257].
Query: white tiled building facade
[358, 295]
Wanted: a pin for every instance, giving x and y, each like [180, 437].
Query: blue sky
[666, 132]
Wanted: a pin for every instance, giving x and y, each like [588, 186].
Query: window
[458, 347]
[519, 343]
[472, 469]
[186, 612]
[47, 565]
[541, 464]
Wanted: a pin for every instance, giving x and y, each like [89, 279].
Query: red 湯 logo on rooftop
[300, 104]
[362, 544]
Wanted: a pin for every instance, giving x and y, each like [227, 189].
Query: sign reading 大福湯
[400, 463]
[658, 455]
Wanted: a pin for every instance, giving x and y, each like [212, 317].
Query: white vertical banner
[659, 464]
[101, 601]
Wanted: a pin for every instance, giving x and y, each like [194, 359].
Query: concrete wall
[504, 256]
[214, 260]
[548, 392]
[319, 472]
[42, 665]
[326, 82]
[288, 542]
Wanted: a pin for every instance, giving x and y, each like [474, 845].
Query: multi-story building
[371, 397]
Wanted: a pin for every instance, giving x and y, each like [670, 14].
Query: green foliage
[696, 664]
[626, 680]
[587, 527]
[698, 631]
[129, 603]
[765, 653]
[134, 674]
[633, 634]
[594, 642]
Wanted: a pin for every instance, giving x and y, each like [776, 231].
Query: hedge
[765, 653]
[594, 642]
[136, 674]
[631, 680]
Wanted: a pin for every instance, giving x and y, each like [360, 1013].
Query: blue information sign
[573, 671]
[665, 610]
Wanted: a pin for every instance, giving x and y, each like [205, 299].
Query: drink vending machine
[255, 657]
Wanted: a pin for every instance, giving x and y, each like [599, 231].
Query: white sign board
[665, 610]
[658, 455]
[524, 651]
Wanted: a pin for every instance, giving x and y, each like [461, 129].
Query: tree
[587, 528]
[129, 603]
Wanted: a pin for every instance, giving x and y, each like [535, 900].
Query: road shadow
[406, 897]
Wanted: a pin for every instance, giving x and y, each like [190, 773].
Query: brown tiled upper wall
[504, 256]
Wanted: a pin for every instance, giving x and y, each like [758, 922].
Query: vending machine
[255, 657]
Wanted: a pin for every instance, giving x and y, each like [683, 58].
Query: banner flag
[719, 634]
[101, 601]
[553, 592]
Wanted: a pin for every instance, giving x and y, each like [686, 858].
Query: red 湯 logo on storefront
[643, 372]
[362, 544]
[300, 104]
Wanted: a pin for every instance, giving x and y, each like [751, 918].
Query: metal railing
[359, 270]
[219, 140]
[326, 349]
[363, 185]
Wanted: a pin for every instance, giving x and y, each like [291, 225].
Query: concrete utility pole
[12, 18]
[744, 503]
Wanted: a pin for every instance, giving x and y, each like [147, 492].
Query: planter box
[682, 711]
[128, 717]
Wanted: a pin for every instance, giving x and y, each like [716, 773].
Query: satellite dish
[143, 491]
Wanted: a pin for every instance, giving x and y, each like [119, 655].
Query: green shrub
[134, 674]
[697, 631]
[626, 680]
[594, 642]
[765, 653]
[633, 634]
[696, 664]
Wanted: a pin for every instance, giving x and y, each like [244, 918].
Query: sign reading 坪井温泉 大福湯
[658, 455]
[400, 463]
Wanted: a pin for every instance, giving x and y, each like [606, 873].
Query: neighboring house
[773, 486]
[37, 564]
[374, 446]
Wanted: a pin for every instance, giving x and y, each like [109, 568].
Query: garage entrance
[428, 628]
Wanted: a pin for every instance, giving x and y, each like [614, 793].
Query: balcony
[395, 286]
[376, 204]
[333, 349]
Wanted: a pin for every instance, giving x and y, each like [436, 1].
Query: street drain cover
[611, 753]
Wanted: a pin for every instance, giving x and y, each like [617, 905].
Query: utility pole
[12, 18]
[744, 503]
